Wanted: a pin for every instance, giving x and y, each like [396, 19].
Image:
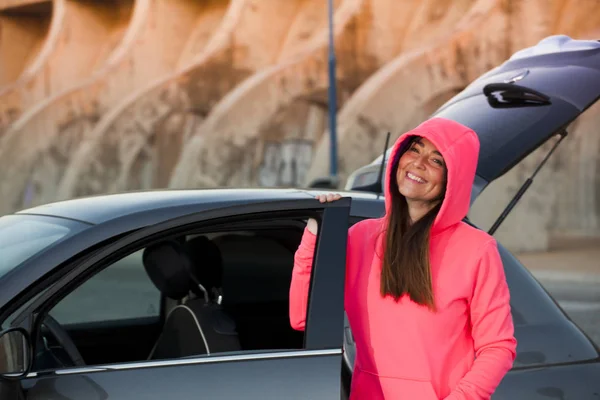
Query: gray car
[184, 294]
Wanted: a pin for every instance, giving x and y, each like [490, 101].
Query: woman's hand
[328, 198]
[312, 225]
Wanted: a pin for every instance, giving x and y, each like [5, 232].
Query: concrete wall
[402, 93]
[107, 96]
[149, 45]
[79, 38]
[22, 37]
[249, 140]
[160, 118]
[11, 4]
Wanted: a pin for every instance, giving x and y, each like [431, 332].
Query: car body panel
[559, 382]
[297, 377]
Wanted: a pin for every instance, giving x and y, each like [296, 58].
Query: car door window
[243, 275]
[121, 292]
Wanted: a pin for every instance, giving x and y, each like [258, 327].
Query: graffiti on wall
[285, 163]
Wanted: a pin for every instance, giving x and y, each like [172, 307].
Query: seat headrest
[168, 268]
[207, 262]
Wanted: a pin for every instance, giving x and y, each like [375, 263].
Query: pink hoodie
[404, 350]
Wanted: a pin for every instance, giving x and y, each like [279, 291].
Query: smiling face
[421, 174]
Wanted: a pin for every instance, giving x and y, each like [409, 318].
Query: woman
[426, 294]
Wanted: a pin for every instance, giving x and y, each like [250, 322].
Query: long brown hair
[406, 267]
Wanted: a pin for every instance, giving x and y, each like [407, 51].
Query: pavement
[572, 277]
[568, 265]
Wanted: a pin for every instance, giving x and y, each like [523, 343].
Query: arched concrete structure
[59, 124]
[62, 61]
[241, 85]
[391, 99]
[10, 96]
[207, 23]
[10, 4]
[256, 123]
[243, 109]
[385, 103]
[22, 34]
[161, 117]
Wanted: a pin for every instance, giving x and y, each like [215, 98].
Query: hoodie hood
[459, 145]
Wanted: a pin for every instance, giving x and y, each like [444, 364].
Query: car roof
[102, 208]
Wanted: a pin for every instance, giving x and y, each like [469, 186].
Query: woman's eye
[414, 149]
[435, 160]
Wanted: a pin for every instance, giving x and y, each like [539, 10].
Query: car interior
[220, 292]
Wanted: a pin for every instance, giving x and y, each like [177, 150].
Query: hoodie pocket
[368, 386]
[399, 388]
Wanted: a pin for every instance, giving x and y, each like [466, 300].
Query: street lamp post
[332, 100]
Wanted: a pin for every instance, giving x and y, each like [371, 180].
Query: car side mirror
[15, 353]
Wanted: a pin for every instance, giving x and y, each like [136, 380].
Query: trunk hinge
[525, 186]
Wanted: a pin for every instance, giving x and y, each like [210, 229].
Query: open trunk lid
[517, 106]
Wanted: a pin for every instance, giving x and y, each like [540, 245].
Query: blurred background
[105, 96]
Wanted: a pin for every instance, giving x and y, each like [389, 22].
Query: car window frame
[317, 342]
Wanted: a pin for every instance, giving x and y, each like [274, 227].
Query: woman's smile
[415, 178]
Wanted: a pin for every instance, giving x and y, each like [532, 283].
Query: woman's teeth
[415, 178]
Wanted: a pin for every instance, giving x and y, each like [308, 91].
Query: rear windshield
[24, 236]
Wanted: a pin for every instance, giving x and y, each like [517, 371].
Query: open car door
[312, 371]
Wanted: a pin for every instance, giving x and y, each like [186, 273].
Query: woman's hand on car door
[312, 225]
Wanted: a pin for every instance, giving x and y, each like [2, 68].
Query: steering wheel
[64, 340]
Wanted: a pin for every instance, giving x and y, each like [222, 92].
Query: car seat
[198, 325]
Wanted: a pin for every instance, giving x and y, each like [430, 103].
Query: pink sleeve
[492, 330]
[300, 285]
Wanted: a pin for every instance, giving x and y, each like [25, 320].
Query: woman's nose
[419, 163]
